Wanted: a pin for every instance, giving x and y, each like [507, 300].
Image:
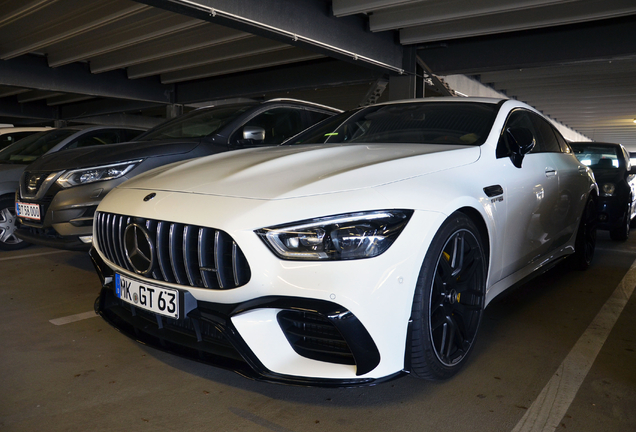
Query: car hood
[608, 175]
[111, 153]
[295, 171]
[9, 172]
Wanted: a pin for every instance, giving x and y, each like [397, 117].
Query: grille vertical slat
[99, 230]
[176, 253]
[109, 234]
[202, 256]
[120, 253]
[185, 254]
[163, 255]
[190, 255]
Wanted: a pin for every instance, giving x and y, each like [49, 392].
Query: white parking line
[547, 411]
[73, 318]
[32, 255]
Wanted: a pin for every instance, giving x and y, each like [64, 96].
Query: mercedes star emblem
[139, 249]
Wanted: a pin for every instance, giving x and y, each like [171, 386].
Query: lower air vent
[313, 336]
[179, 253]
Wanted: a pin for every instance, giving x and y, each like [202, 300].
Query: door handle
[550, 172]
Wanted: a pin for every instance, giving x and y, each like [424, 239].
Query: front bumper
[66, 215]
[209, 333]
[611, 211]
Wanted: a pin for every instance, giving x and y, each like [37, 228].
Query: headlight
[339, 237]
[607, 190]
[95, 174]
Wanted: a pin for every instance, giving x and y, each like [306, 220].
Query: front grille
[31, 182]
[184, 254]
[313, 336]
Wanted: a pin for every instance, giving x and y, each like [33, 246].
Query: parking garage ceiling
[135, 62]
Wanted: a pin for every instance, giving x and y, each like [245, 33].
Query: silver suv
[15, 158]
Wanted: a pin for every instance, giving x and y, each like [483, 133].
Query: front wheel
[449, 300]
[8, 226]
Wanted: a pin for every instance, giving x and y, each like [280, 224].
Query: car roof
[447, 99]
[6, 130]
[588, 143]
[98, 127]
[275, 101]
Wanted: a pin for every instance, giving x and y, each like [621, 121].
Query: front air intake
[183, 254]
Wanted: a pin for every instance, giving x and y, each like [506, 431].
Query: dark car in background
[17, 156]
[616, 180]
[58, 194]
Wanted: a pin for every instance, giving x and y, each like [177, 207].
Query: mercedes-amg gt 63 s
[363, 248]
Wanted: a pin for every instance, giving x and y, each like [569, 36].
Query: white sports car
[364, 248]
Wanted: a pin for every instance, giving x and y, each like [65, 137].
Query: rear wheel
[585, 242]
[449, 300]
[8, 226]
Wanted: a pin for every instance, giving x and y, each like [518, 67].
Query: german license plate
[26, 210]
[162, 301]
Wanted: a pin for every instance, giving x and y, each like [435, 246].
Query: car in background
[58, 194]
[9, 135]
[16, 157]
[616, 178]
[365, 247]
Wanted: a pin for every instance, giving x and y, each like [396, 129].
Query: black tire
[620, 232]
[585, 242]
[449, 300]
[8, 225]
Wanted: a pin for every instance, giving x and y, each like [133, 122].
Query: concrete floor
[84, 375]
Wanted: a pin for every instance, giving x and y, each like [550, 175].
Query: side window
[95, 138]
[313, 117]
[129, 134]
[10, 138]
[565, 147]
[517, 119]
[546, 139]
[278, 123]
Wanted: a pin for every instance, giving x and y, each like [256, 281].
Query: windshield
[464, 123]
[196, 124]
[597, 157]
[32, 147]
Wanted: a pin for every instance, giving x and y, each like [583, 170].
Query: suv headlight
[94, 174]
[608, 189]
[339, 237]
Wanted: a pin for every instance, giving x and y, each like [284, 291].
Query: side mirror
[253, 133]
[521, 142]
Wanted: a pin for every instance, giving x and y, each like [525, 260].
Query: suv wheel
[8, 226]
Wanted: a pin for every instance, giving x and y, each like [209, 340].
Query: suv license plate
[28, 211]
[162, 301]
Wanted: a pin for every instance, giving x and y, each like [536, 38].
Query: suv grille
[183, 254]
[31, 182]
